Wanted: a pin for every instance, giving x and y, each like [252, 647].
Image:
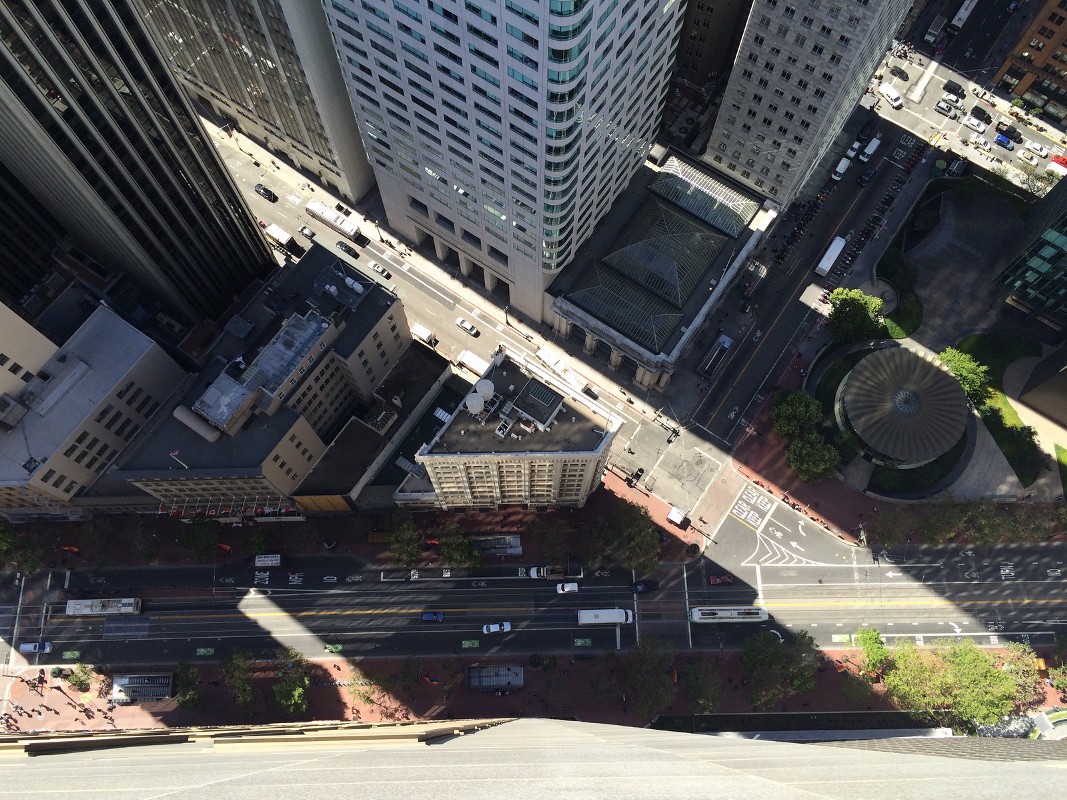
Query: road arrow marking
[956, 628]
[797, 546]
[893, 574]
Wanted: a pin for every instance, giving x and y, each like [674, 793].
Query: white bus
[126, 605]
[346, 226]
[832, 252]
[728, 614]
[961, 17]
[934, 33]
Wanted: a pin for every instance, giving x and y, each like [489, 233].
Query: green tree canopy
[973, 377]
[854, 315]
[237, 675]
[187, 682]
[775, 670]
[795, 413]
[647, 676]
[702, 684]
[876, 656]
[404, 543]
[811, 458]
[1020, 662]
[456, 549]
[628, 539]
[290, 692]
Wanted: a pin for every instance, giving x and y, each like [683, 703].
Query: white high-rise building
[504, 129]
[801, 69]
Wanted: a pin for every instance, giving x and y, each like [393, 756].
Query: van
[853, 149]
[423, 334]
[952, 87]
[606, 616]
[839, 171]
[891, 95]
[870, 149]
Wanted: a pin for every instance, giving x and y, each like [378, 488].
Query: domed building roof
[906, 408]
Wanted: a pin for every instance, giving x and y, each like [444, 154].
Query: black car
[954, 88]
[347, 249]
[1010, 131]
[636, 476]
[898, 72]
[866, 177]
[264, 192]
[644, 586]
[980, 113]
[868, 129]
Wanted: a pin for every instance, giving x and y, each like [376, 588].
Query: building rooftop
[517, 408]
[668, 239]
[94, 359]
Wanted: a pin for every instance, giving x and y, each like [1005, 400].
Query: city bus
[934, 33]
[343, 224]
[961, 17]
[728, 614]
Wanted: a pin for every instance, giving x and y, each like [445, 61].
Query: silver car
[496, 627]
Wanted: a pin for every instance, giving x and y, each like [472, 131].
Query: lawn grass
[997, 351]
[1061, 460]
[906, 318]
[832, 377]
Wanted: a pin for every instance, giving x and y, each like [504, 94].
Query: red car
[717, 580]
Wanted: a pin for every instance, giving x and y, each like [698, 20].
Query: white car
[467, 326]
[566, 588]
[975, 125]
[952, 99]
[496, 627]
[374, 265]
[1029, 158]
[981, 143]
[1037, 149]
[306, 231]
[35, 647]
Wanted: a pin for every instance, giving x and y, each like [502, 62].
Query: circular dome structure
[475, 403]
[485, 388]
[906, 408]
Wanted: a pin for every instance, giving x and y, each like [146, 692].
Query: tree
[972, 376]
[237, 674]
[404, 544]
[456, 549]
[628, 539]
[1058, 676]
[916, 682]
[290, 692]
[981, 694]
[646, 674]
[554, 533]
[774, 670]
[199, 539]
[1020, 662]
[876, 656]
[854, 315]
[81, 677]
[1036, 180]
[795, 413]
[702, 684]
[811, 458]
[187, 680]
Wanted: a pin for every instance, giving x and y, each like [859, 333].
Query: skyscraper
[1035, 278]
[269, 67]
[94, 125]
[504, 129]
[797, 77]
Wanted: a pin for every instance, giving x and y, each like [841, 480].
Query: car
[644, 586]
[496, 627]
[941, 107]
[1010, 131]
[266, 193]
[304, 230]
[898, 72]
[566, 588]
[720, 580]
[1011, 8]
[954, 88]
[952, 99]
[980, 143]
[868, 129]
[467, 326]
[347, 249]
[35, 647]
[867, 176]
[1000, 140]
[975, 125]
[980, 113]
[374, 265]
[1036, 148]
[1029, 158]
[432, 616]
[635, 476]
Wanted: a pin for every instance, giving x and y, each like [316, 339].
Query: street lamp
[379, 230]
[506, 320]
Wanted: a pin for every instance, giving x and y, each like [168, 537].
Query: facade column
[615, 358]
[466, 265]
[591, 343]
[441, 248]
[664, 379]
[644, 377]
[490, 280]
[564, 327]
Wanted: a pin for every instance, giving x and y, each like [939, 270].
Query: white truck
[606, 616]
[828, 259]
[423, 334]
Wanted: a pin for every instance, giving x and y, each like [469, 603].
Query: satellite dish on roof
[475, 403]
[484, 387]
